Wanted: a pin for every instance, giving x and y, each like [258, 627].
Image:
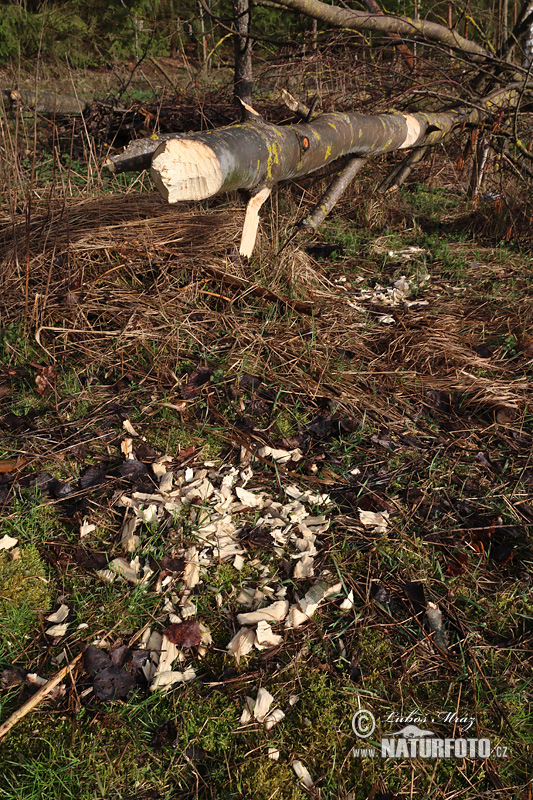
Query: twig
[37, 698]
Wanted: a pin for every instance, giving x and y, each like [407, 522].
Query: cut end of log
[414, 130]
[185, 169]
[110, 165]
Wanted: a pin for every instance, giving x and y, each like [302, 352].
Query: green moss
[263, 779]
[23, 582]
[207, 721]
[375, 655]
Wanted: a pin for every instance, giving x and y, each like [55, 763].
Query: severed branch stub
[255, 155]
[333, 193]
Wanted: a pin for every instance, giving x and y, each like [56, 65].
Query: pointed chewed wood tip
[248, 111]
[251, 222]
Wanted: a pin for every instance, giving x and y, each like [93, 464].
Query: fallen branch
[383, 23]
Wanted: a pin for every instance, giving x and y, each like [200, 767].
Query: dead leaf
[113, 683]
[95, 660]
[525, 344]
[92, 476]
[195, 379]
[12, 676]
[456, 564]
[249, 382]
[45, 381]
[184, 634]
[11, 464]
[164, 734]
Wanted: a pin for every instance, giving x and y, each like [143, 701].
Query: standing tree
[243, 80]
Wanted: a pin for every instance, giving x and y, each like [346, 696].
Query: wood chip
[191, 574]
[60, 615]
[347, 604]
[304, 567]
[265, 637]
[129, 542]
[276, 612]
[434, 617]
[262, 704]
[57, 630]
[242, 643]
[302, 773]
[7, 542]
[128, 427]
[379, 520]
[249, 499]
[86, 528]
[273, 718]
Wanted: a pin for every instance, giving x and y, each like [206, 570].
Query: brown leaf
[249, 382]
[456, 564]
[184, 634]
[45, 382]
[12, 676]
[11, 464]
[5, 391]
[197, 378]
[112, 683]
[95, 660]
[164, 734]
[526, 345]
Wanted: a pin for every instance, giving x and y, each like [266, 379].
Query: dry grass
[129, 269]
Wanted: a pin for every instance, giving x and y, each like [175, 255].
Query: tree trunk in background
[505, 21]
[242, 88]
[401, 47]
[528, 41]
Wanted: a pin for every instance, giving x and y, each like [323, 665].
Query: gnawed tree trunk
[255, 155]
[528, 46]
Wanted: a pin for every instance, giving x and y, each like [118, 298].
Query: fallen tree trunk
[383, 23]
[255, 155]
[47, 103]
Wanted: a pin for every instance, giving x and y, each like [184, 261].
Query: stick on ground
[37, 698]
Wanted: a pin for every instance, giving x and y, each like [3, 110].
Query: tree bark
[242, 87]
[380, 23]
[401, 47]
[47, 103]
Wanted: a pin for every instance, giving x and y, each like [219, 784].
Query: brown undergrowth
[91, 278]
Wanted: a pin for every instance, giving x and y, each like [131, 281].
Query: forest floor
[350, 458]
